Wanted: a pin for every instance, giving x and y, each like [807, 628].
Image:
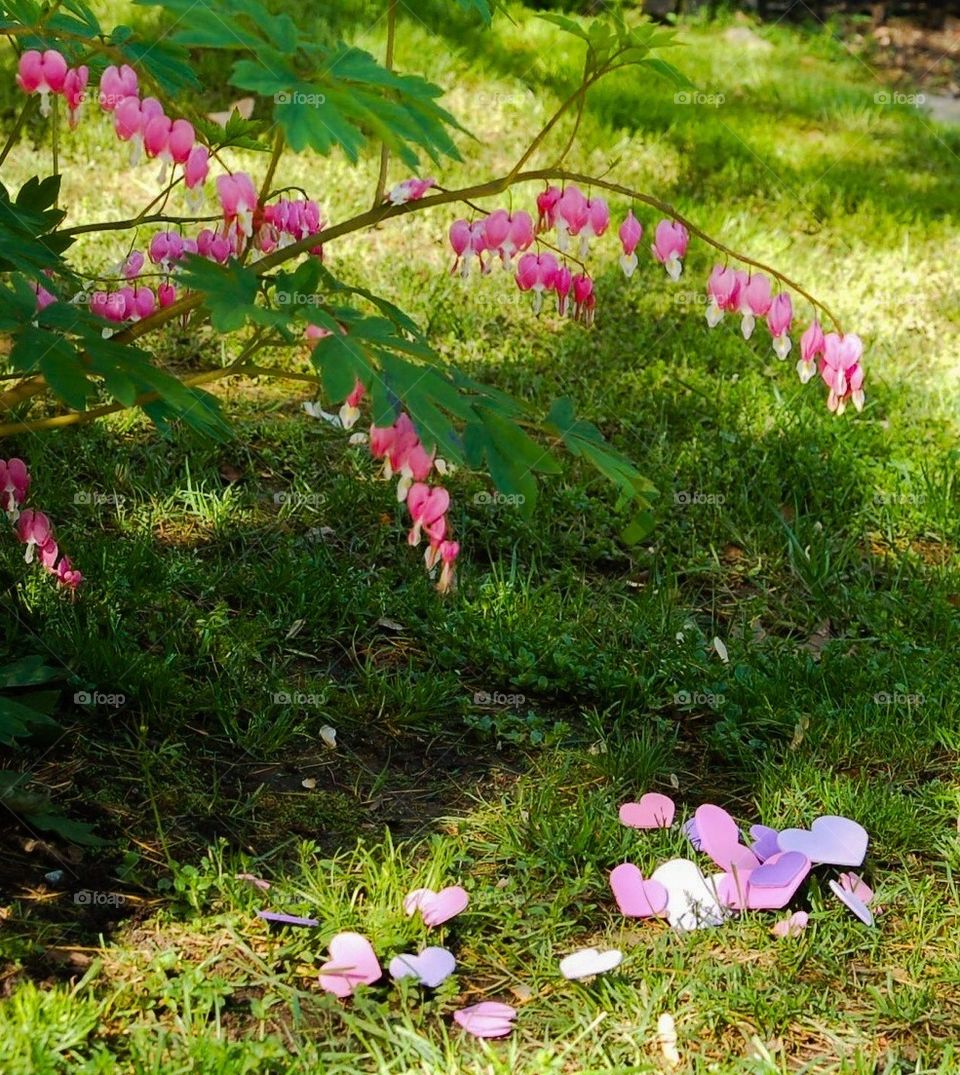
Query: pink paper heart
[769, 887]
[855, 884]
[488, 1019]
[854, 902]
[431, 967]
[352, 962]
[653, 811]
[720, 839]
[436, 907]
[837, 841]
[791, 925]
[636, 897]
[439, 907]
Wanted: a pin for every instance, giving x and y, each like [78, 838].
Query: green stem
[388, 64]
[17, 128]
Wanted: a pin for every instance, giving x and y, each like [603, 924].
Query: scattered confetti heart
[689, 829]
[436, 907]
[790, 926]
[836, 841]
[854, 883]
[691, 898]
[721, 650]
[489, 1019]
[254, 881]
[329, 736]
[653, 811]
[764, 844]
[636, 897]
[770, 886]
[720, 839]
[667, 1037]
[286, 919]
[590, 961]
[352, 962]
[854, 902]
[431, 967]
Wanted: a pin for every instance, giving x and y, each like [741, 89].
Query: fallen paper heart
[412, 900]
[764, 844]
[437, 907]
[589, 961]
[769, 887]
[636, 897]
[720, 839]
[352, 962]
[488, 1019]
[689, 829]
[653, 811]
[831, 840]
[791, 926]
[431, 967]
[691, 898]
[854, 902]
[254, 881]
[855, 884]
[286, 919]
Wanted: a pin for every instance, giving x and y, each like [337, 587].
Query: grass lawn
[240, 597]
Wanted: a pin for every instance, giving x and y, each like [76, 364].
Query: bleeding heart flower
[669, 246]
[841, 370]
[352, 962]
[586, 962]
[431, 967]
[779, 320]
[723, 290]
[631, 232]
[43, 73]
[489, 1019]
[117, 83]
[811, 345]
[755, 300]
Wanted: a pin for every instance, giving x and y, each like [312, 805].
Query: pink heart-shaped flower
[352, 962]
[653, 811]
[488, 1019]
[636, 897]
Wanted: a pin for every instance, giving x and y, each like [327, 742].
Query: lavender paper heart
[830, 840]
[431, 967]
[488, 1019]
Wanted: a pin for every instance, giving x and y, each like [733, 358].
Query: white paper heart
[589, 961]
[692, 898]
